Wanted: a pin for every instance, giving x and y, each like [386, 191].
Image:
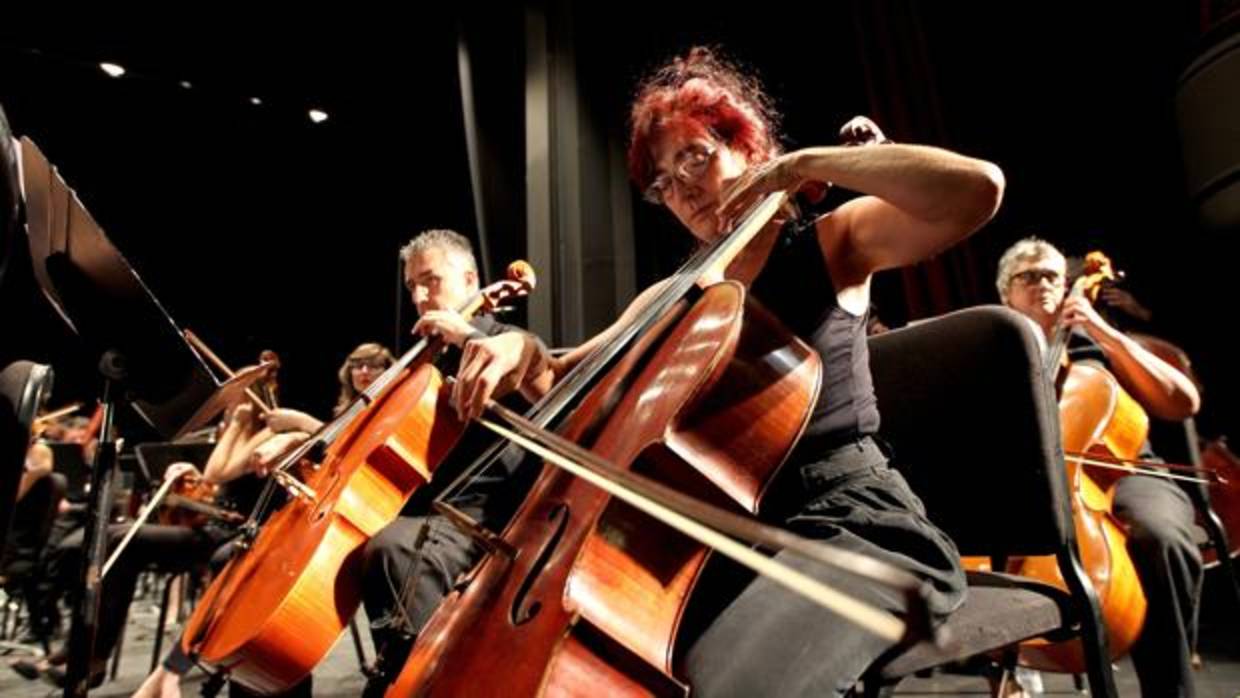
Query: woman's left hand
[777, 174]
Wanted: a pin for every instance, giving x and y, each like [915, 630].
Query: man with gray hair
[1032, 279]
[410, 565]
[441, 274]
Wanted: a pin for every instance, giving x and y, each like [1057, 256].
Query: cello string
[547, 409]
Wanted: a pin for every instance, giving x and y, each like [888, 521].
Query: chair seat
[999, 610]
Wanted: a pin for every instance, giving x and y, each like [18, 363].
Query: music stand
[70, 462]
[142, 355]
[154, 458]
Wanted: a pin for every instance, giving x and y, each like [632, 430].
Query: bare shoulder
[849, 268]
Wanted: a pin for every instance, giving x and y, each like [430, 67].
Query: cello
[1218, 457]
[1218, 508]
[280, 604]
[704, 392]
[1096, 416]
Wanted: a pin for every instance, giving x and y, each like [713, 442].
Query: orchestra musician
[703, 145]
[1159, 516]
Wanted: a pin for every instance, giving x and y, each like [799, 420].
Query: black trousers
[26, 554]
[1160, 519]
[403, 584]
[772, 642]
[166, 548]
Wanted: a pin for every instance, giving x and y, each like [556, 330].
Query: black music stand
[154, 458]
[71, 463]
[142, 355]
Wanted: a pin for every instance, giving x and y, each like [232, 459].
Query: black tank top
[796, 286]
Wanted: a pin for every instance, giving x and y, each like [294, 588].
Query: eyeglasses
[1033, 277]
[373, 364]
[689, 164]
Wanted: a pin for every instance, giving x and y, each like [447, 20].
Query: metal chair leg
[357, 643]
[162, 625]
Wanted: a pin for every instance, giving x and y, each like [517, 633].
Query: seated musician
[252, 443]
[1158, 514]
[39, 494]
[360, 368]
[404, 582]
[703, 145]
[174, 548]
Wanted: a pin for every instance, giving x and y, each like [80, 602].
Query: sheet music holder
[154, 458]
[69, 461]
[97, 293]
[142, 355]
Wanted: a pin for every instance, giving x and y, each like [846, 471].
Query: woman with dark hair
[703, 145]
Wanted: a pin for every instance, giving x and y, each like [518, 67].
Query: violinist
[358, 371]
[703, 145]
[360, 368]
[247, 449]
[38, 559]
[248, 446]
[1157, 513]
[174, 548]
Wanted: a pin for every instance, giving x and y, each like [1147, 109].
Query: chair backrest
[974, 425]
[23, 387]
[10, 196]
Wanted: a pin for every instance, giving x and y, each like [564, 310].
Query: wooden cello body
[277, 608]
[1095, 416]
[711, 400]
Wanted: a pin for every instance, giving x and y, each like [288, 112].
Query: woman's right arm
[495, 366]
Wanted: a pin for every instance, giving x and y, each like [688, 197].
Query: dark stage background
[259, 229]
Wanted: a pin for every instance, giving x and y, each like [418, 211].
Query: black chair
[974, 425]
[24, 386]
[21, 383]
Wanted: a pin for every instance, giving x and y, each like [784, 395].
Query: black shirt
[491, 495]
[796, 286]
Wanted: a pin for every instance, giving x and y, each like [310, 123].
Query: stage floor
[338, 676]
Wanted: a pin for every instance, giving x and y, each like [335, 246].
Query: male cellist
[407, 571]
[1158, 514]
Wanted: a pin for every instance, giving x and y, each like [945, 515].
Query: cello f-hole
[521, 611]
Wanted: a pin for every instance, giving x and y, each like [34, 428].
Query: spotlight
[318, 116]
[112, 69]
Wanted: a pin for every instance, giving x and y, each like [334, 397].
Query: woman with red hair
[703, 144]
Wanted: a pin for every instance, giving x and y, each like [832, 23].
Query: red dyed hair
[704, 89]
